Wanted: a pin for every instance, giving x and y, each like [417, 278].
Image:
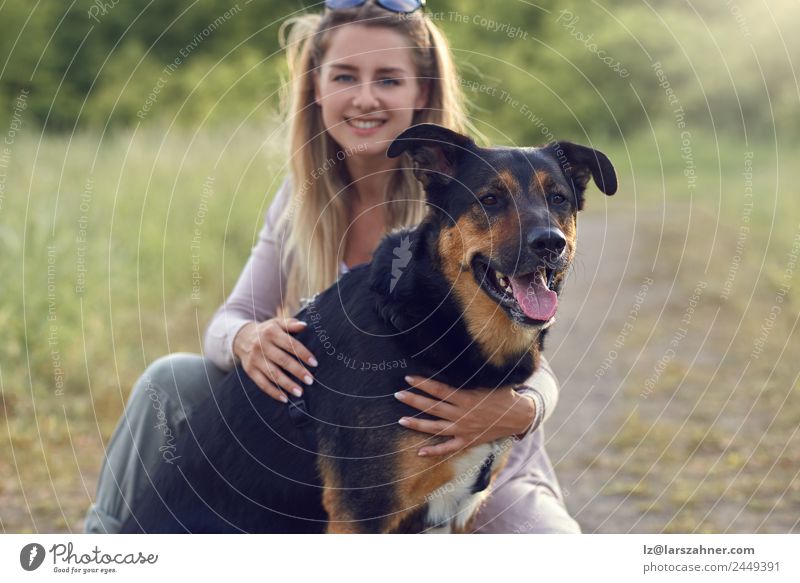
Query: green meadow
[140, 147]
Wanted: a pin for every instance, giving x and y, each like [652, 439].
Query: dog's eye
[489, 200]
[557, 198]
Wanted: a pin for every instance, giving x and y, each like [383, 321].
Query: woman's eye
[557, 198]
[388, 82]
[489, 200]
[344, 78]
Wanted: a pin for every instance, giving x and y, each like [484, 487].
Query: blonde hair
[316, 218]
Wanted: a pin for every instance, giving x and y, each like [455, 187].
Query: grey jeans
[526, 497]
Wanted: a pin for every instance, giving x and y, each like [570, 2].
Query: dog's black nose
[547, 242]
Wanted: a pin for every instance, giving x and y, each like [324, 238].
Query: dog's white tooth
[504, 283]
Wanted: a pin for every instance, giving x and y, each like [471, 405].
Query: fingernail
[308, 379]
[297, 392]
[403, 421]
[409, 379]
[422, 453]
[302, 323]
[313, 361]
[284, 398]
[399, 395]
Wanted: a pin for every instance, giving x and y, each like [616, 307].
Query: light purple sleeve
[542, 387]
[258, 292]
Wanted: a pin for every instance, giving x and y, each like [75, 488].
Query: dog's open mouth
[526, 296]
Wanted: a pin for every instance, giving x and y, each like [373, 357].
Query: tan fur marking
[570, 232]
[541, 182]
[569, 228]
[339, 521]
[508, 182]
[421, 476]
[417, 477]
[498, 337]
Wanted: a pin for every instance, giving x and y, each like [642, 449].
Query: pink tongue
[532, 294]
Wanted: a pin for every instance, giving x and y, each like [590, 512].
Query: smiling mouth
[528, 298]
[365, 124]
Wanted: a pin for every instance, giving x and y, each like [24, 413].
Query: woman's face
[367, 88]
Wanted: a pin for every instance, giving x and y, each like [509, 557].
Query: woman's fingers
[268, 371]
[431, 406]
[267, 356]
[274, 370]
[438, 389]
[294, 347]
[288, 363]
[290, 324]
[450, 446]
[265, 385]
[432, 426]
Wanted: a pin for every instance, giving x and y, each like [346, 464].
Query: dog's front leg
[339, 520]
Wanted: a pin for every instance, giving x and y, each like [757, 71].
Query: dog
[464, 297]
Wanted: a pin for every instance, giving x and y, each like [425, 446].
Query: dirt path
[599, 294]
[666, 421]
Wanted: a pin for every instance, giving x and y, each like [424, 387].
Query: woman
[361, 74]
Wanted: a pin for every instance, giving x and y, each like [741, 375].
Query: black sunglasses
[399, 6]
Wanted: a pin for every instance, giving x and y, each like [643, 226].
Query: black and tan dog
[464, 297]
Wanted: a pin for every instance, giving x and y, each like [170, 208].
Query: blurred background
[142, 143]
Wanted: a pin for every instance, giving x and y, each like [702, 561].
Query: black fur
[245, 466]
[227, 478]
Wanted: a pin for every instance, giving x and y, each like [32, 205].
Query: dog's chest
[452, 505]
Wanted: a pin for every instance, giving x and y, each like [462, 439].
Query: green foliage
[586, 68]
[114, 222]
[92, 62]
[572, 68]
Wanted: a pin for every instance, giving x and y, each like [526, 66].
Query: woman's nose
[365, 98]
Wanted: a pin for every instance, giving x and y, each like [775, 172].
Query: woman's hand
[268, 351]
[470, 417]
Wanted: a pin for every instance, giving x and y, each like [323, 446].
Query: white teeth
[504, 283]
[365, 125]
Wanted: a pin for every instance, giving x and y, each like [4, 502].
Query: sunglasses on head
[399, 6]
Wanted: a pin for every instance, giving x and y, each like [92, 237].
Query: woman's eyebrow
[381, 70]
[391, 70]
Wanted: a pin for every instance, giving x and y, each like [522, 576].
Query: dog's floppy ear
[435, 151]
[579, 163]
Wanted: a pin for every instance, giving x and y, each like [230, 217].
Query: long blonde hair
[316, 218]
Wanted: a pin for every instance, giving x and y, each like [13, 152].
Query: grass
[78, 335]
[142, 191]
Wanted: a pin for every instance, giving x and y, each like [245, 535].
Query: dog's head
[507, 216]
